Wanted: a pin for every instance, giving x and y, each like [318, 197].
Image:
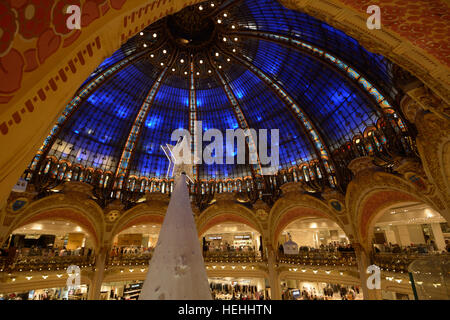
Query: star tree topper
[181, 159]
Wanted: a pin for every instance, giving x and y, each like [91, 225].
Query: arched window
[62, 168]
[318, 171]
[306, 173]
[295, 175]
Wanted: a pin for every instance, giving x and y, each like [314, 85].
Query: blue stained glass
[322, 93]
[97, 133]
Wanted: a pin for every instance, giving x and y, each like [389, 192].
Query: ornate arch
[373, 191]
[227, 212]
[294, 206]
[58, 207]
[152, 212]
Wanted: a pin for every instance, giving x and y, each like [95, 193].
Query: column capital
[422, 98]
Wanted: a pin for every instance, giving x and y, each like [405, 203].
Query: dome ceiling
[229, 64]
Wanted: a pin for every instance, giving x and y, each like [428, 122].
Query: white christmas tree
[177, 270]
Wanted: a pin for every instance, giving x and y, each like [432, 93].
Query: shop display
[235, 290]
[322, 291]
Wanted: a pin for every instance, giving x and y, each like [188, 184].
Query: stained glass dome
[233, 64]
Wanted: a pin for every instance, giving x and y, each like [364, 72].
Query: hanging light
[234, 50]
[182, 60]
[152, 55]
[155, 35]
[145, 45]
[200, 8]
[201, 61]
[219, 21]
[217, 54]
[162, 63]
[212, 4]
[233, 27]
[173, 69]
[224, 39]
[141, 33]
[225, 15]
[209, 71]
[236, 39]
[164, 51]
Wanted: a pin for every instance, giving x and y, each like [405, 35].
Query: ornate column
[274, 279]
[363, 259]
[3, 229]
[430, 116]
[99, 272]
